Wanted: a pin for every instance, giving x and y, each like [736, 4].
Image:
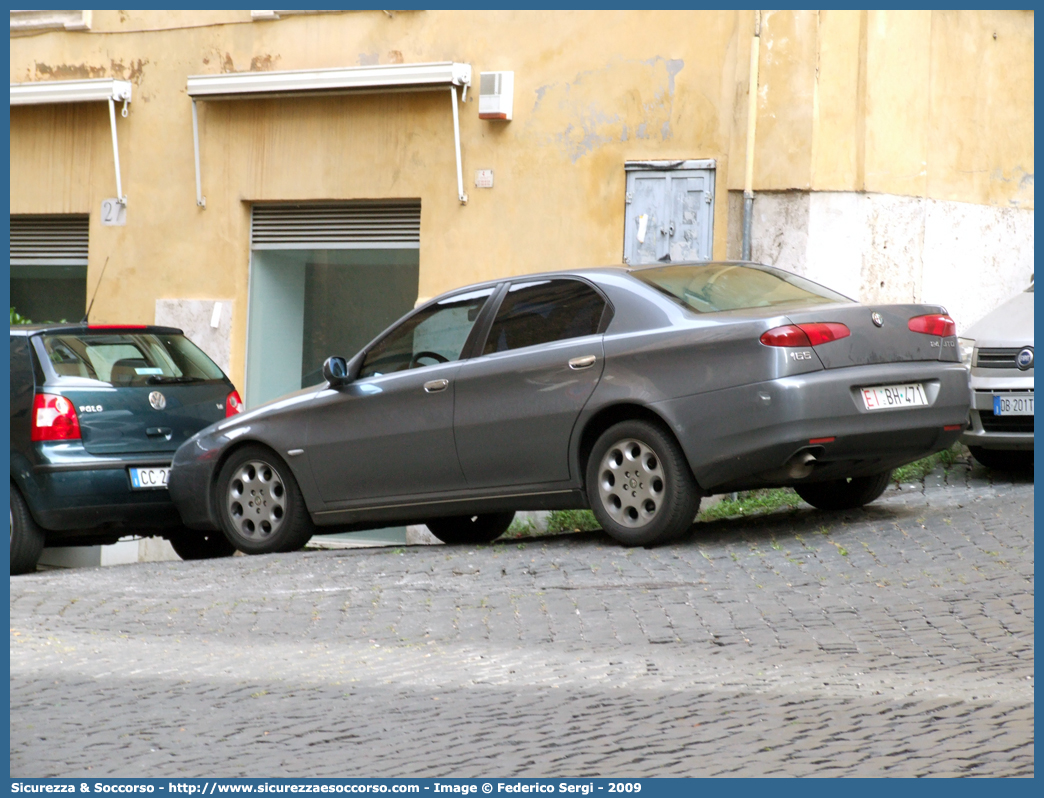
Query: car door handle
[584, 362]
[434, 386]
[156, 432]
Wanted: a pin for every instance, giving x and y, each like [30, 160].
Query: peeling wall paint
[599, 115]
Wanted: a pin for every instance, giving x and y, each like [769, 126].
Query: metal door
[670, 211]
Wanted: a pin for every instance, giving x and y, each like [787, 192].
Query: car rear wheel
[639, 485]
[1004, 459]
[27, 539]
[262, 510]
[470, 529]
[191, 544]
[844, 494]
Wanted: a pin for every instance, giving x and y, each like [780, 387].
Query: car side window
[434, 335]
[543, 311]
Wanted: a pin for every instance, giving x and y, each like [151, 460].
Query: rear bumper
[741, 437]
[76, 494]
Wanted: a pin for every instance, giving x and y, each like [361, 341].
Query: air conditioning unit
[496, 92]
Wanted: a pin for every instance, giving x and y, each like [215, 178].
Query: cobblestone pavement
[893, 640]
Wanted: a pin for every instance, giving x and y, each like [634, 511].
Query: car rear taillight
[812, 334]
[790, 335]
[933, 324]
[233, 404]
[824, 332]
[54, 419]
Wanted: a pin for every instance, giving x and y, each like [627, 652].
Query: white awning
[51, 92]
[349, 80]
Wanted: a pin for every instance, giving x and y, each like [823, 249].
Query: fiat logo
[875, 317]
[157, 400]
[1024, 360]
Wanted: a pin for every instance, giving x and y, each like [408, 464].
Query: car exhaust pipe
[800, 465]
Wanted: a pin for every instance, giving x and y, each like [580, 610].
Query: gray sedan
[634, 392]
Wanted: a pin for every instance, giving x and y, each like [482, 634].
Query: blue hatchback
[96, 415]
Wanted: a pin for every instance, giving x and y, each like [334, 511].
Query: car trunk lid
[148, 419]
[890, 341]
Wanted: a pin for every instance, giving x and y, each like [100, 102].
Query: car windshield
[129, 359]
[713, 287]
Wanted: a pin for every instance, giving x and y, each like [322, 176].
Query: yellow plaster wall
[592, 90]
[901, 102]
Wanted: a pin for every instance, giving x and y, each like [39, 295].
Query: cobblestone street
[894, 640]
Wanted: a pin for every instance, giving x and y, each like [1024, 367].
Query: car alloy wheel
[262, 510]
[630, 483]
[639, 484]
[256, 501]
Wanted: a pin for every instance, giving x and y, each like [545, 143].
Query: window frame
[608, 311]
[465, 352]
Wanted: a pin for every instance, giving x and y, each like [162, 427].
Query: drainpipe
[752, 124]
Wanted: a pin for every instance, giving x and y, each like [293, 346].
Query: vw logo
[875, 317]
[157, 400]
[1024, 360]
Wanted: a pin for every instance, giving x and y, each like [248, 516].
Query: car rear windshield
[129, 359]
[713, 287]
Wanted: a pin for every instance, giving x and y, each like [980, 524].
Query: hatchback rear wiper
[157, 379]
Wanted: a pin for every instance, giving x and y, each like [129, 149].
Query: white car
[999, 351]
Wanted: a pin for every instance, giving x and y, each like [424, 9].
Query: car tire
[260, 506]
[27, 538]
[471, 529]
[844, 494]
[1004, 459]
[192, 544]
[662, 497]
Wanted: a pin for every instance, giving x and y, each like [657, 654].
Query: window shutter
[51, 240]
[337, 225]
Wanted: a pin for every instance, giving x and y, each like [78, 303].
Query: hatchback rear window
[129, 359]
[713, 287]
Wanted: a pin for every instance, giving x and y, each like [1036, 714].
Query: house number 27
[113, 213]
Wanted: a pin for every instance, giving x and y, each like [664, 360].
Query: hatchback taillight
[933, 324]
[812, 334]
[54, 419]
[233, 404]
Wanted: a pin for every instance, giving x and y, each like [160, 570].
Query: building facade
[283, 185]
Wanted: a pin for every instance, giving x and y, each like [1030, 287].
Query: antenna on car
[95, 295]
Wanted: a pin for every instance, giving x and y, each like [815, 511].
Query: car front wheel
[191, 544]
[261, 507]
[27, 539]
[844, 494]
[470, 529]
[639, 485]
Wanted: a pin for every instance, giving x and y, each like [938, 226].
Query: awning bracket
[201, 201]
[456, 143]
[120, 196]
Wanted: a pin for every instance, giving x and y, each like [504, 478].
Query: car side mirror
[335, 371]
